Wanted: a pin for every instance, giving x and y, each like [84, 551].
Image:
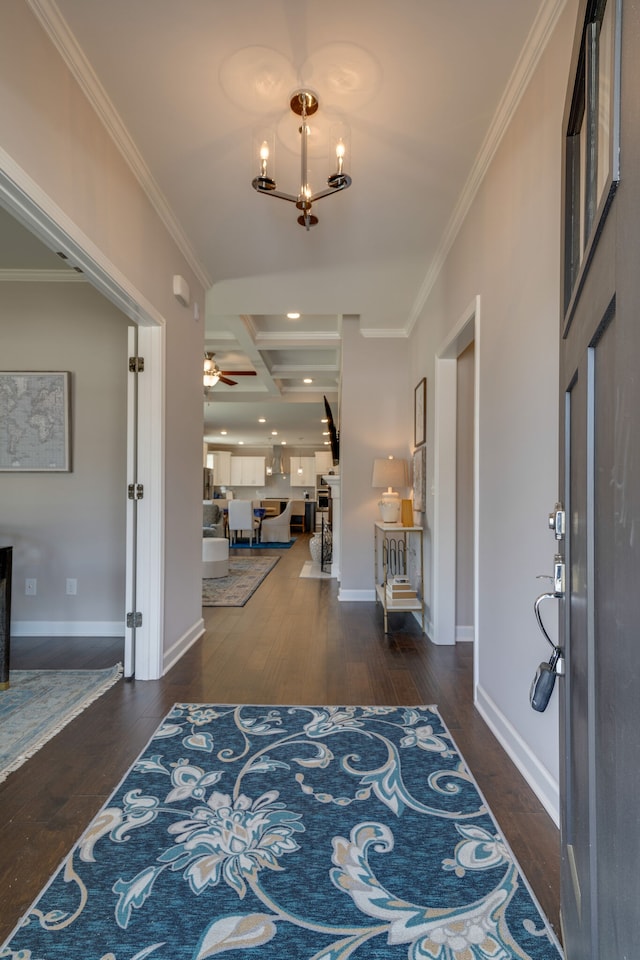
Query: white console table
[390, 537]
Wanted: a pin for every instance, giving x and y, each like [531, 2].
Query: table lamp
[389, 473]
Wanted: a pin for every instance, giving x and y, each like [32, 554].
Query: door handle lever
[558, 577]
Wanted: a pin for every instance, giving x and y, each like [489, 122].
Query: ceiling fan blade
[230, 383]
[240, 373]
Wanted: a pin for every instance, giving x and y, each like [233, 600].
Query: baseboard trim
[182, 644]
[359, 596]
[67, 628]
[465, 634]
[545, 787]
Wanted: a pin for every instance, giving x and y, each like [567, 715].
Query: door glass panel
[604, 72]
[591, 150]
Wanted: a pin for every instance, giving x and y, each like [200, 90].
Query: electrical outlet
[72, 586]
[30, 587]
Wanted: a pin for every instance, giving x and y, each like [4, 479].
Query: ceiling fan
[212, 374]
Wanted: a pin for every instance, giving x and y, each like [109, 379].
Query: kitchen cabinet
[221, 468]
[323, 462]
[302, 472]
[247, 471]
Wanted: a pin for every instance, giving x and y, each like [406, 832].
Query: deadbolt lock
[557, 521]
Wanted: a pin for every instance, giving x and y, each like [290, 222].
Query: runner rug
[267, 545]
[244, 577]
[318, 833]
[39, 703]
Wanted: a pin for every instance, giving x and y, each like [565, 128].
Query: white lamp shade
[390, 473]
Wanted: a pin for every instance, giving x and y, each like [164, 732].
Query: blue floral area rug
[39, 703]
[291, 833]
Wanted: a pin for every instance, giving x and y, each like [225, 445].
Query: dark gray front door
[600, 486]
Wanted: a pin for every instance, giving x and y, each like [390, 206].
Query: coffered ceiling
[425, 87]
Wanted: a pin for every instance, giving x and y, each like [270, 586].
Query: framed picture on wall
[420, 479]
[420, 413]
[34, 422]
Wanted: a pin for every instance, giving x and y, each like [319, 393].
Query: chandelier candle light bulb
[264, 157]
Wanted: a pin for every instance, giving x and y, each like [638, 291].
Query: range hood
[279, 463]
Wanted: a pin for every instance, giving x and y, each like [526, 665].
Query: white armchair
[241, 519]
[277, 529]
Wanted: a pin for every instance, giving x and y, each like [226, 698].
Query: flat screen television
[334, 436]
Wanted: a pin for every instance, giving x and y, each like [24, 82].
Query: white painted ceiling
[420, 84]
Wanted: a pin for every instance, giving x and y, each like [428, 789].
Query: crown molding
[71, 52]
[386, 333]
[41, 276]
[535, 45]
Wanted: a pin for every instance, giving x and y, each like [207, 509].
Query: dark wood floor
[292, 643]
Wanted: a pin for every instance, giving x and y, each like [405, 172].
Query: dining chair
[277, 529]
[241, 519]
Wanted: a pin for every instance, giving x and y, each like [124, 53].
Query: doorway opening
[144, 566]
[455, 526]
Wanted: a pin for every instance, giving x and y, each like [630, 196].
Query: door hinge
[135, 491]
[136, 364]
[134, 619]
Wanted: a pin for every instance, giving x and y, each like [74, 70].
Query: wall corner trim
[182, 644]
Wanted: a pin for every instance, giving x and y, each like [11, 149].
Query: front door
[600, 487]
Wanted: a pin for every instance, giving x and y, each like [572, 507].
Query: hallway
[293, 642]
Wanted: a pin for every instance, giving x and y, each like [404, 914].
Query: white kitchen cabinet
[247, 471]
[302, 471]
[323, 462]
[221, 468]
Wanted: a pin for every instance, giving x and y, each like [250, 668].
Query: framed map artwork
[34, 422]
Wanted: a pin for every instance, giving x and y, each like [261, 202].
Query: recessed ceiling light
[326, 443]
[274, 433]
[283, 443]
[325, 420]
[261, 420]
[223, 433]
[325, 433]
[308, 380]
[240, 443]
[293, 316]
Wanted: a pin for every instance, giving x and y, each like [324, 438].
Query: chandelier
[304, 104]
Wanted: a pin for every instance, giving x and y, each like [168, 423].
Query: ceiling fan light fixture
[304, 104]
[211, 373]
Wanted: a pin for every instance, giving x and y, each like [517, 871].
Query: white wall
[376, 420]
[69, 524]
[508, 252]
[63, 158]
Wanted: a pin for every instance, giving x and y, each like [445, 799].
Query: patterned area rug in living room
[245, 576]
[319, 833]
[39, 703]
